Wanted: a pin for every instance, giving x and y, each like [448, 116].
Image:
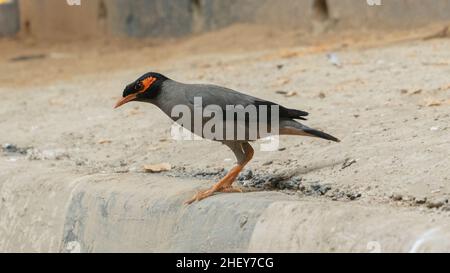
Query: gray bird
[166, 94]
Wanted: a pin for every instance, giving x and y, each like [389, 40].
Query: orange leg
[224, 185]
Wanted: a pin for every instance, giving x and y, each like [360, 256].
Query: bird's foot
[207, 193]
[200, 196]
[231, 189]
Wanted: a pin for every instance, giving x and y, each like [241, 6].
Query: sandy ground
[388, 100]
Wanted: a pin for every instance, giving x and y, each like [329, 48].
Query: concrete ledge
[145, 213]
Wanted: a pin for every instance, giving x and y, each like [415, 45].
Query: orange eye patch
[147, 82]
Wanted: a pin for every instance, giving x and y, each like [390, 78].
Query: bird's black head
[144, 88]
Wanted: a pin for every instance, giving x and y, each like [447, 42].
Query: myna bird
[166, 94]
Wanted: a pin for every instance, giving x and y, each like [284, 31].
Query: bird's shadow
[290, 175]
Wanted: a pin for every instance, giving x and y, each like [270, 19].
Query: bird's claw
[207, 193]
[231, 189]
[199, 196]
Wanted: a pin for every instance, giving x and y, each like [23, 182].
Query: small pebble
[421, 200]
[436, 203]
[397, 197]
[267, 163]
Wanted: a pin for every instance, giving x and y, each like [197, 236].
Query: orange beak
[146, 84]
[128, 98]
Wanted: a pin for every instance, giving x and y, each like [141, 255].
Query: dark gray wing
[212, 94]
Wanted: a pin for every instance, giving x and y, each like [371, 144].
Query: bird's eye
[138, 86]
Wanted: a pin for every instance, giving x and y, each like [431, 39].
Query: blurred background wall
[172, 18]
[9, 18]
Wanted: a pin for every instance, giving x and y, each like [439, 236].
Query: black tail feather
[284, 112]
[320, 134]
[295, 114]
